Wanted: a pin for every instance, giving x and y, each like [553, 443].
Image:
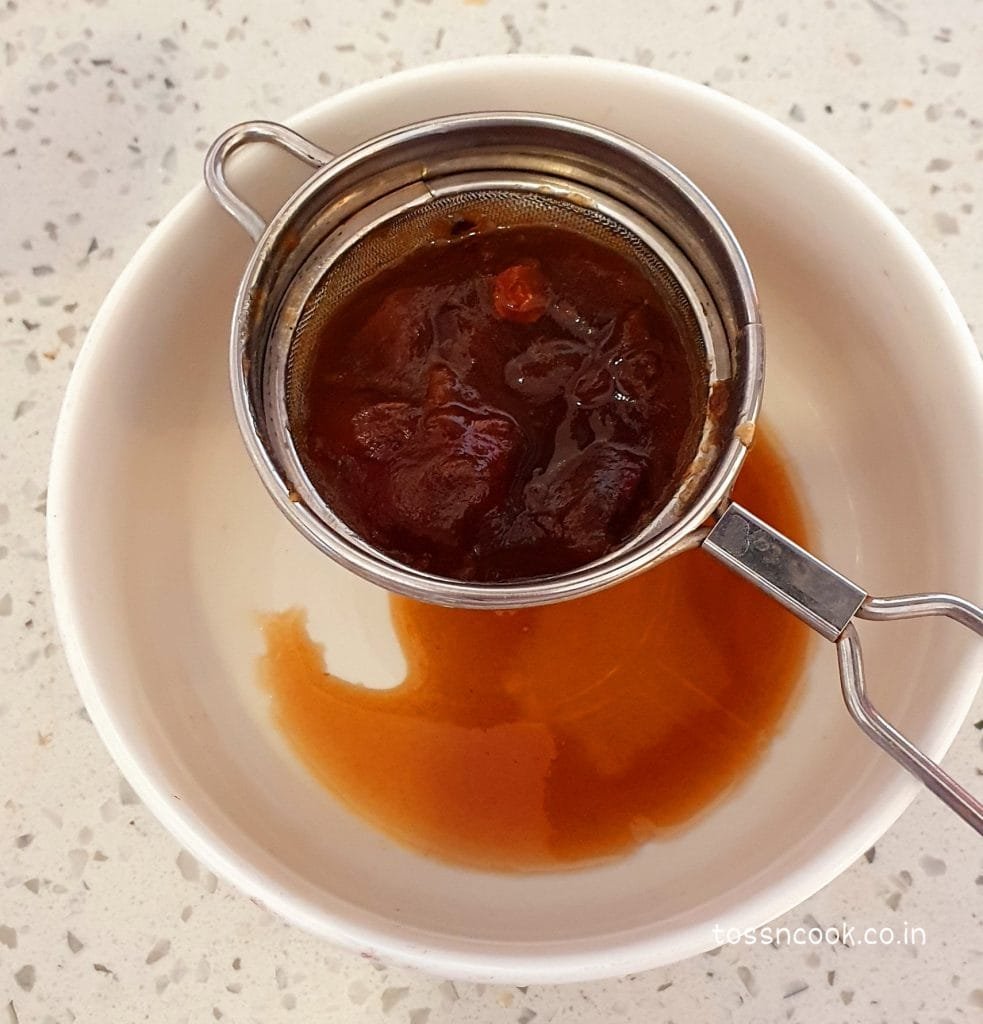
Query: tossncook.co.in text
[845, 934]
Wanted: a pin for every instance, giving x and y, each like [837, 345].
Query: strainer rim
[373, 565]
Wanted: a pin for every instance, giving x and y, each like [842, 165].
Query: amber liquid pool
[547, 737]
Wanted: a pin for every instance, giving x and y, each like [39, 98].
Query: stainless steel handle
[829, 603]
[888, 738]
[240, 135]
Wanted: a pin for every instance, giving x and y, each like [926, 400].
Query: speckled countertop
[105, 109]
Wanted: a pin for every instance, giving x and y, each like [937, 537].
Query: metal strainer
[364, 210]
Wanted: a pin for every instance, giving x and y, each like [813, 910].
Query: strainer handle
[829, 603]
[240, 135]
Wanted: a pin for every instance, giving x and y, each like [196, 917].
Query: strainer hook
[240, 135]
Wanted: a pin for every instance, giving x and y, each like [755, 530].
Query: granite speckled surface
[105, 109]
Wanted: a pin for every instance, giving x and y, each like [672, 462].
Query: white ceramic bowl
[163, 546]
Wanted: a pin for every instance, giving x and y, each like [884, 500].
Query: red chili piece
[520, 293]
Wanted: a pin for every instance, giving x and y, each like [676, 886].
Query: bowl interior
[164, 547]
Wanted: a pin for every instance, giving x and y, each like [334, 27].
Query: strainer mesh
[345, 269]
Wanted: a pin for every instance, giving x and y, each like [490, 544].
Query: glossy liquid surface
[545, 737]
[501, 405]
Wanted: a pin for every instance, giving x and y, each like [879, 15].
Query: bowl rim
[603, 956]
